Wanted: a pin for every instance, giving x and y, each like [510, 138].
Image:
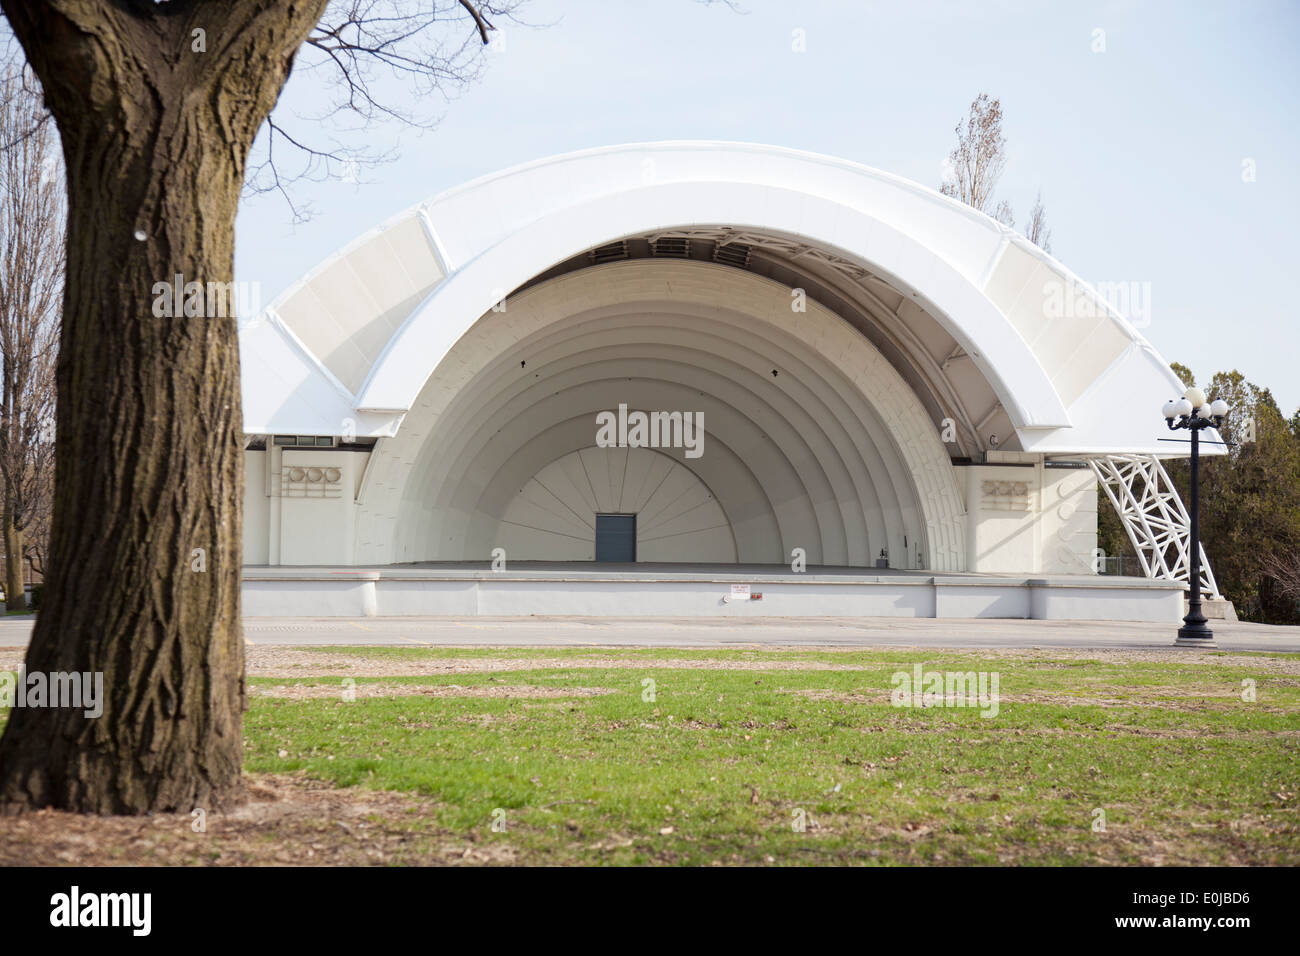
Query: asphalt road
[773, 632]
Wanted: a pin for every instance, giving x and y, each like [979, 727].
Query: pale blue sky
[1138, 150]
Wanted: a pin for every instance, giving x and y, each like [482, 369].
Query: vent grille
[305, 441]
[609, 253]
[731, 254]
[674, 247]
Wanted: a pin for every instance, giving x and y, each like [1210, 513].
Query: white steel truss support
[1154, 516]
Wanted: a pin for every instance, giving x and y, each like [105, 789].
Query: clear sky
[1139, 150]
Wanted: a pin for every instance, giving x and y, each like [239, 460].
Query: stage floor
[527, 588]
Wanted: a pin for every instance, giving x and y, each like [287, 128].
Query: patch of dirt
[266, 660]
[1162, 698]
[285, 820]
[1196, 733]
[1051, 657]
[272, 661]
[877, 697]
[269, 661]
[381, 689]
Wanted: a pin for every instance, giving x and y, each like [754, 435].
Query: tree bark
[15, 586]
[148, 469]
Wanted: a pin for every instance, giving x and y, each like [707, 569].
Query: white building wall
[1021, 519]
[257, 509]
[300, 505]
[1068, 522]
[1029, 518]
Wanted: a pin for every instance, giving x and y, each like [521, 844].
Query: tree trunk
[15, 590]
[145, 555]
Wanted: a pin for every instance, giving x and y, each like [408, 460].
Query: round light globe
[1183, 407]
[1219, 408]
[1203, 411]
[1171, 409]
[1195, 396]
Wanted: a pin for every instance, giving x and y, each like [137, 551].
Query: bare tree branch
[1036, 230]
[976, 162]
[1283, 566]
[371, 56]
[482, 24]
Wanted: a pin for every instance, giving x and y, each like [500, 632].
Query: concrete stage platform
[586, 589]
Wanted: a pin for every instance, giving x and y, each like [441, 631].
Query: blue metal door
[616, 538]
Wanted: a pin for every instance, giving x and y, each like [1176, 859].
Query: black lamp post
[1194, 413]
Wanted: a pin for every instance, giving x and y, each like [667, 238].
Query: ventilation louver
[731, 254]
[609, 253]
[674, 247]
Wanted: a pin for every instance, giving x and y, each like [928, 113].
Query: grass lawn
[576, 757]
[565, 749]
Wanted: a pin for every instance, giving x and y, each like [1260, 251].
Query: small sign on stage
[741, 592]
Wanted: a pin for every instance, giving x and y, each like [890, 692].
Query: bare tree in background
[31, 278]
[1003, 214]
[360, 52]
[1036, 230]
[976, 164]
[977, 161]
[36, 538]
[1282, 564]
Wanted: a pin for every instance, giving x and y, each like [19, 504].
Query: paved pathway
[837, 632]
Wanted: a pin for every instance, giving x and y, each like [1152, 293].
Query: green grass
[731, 753]
[1185, 770]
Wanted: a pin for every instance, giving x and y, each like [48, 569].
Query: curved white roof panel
[356, 339]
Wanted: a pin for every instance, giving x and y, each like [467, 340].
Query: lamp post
[1194, 413]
